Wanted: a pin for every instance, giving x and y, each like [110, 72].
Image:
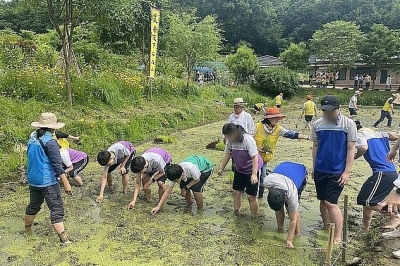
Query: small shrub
[220, 146]
[165, 139]
[230, 177]
[273, 80]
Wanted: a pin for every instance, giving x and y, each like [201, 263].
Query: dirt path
[107, 234]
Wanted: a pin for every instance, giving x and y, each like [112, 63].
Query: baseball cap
[330, 103]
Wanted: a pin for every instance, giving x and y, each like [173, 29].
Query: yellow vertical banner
[155, 26]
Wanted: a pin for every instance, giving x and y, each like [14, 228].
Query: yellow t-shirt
[388, 105]
[309, 108]
[278, 100]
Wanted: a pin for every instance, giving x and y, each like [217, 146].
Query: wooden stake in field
[345, 225]
[21, 168]
[328, 258]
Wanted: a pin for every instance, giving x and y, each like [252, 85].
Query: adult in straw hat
[353, 107]
[242, 118]
[44, 171]
[387, 110]
[309, 111]
[266, 135]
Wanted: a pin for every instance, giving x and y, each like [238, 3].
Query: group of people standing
[336, 142]
[360, 80]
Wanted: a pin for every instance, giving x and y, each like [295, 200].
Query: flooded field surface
[108, 234]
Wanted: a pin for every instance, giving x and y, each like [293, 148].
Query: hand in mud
[154, 210]
[122, 170]
[130, 205]
[391, 156]
[99, 199]
[392, 202]
[253, 179]
[344, 179]
[289, 244]
[220, 171]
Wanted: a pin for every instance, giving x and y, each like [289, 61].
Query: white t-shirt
[65, 158]
[245, 120]
[190, 171]
[155, 160]
[120, 152]
[353, 102]
[274, 180]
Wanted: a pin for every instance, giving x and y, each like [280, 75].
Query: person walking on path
[334, 136]
[387, 111]
[353, 107]
[267, 134]
[309, 111]
[279, 100]
[367, 82]
[44, 172]
[389, 82]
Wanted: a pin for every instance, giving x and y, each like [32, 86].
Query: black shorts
[278, 106]
[376, 188]
[302, 187]
[327, 186]
[78, 167]
[52, 196]
[199, 186]
[241, 182]
[353, 111]
[308, 118]
[127, 165]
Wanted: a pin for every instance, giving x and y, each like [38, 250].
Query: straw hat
[239, 102]
[357, 92]
[396, 95]
[308, 97]
[48, 120]
[273, 112]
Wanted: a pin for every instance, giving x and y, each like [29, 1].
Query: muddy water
[107, 234]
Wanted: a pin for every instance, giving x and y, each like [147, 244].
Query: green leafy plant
[220, 146]
[274, 80]
[165, 139]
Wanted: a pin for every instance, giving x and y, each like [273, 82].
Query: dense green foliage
[268, 25]
[296, 56]
[274, 80]
[243, 63]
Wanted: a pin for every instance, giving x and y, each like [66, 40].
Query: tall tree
[65, 15]
[381, 49]
[296, 56]
[190, 40]
[243, 63]
[338, 42]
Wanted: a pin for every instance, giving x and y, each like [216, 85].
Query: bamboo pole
[345, 225]
[328, 258]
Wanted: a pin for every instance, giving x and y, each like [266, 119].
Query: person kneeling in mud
[150, 168]
[119, 154]
[285, 184]
[73, 163]
[374, 146]
[242, 148]
[192, 175]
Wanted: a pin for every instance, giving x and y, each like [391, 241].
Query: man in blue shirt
[374, 146]
[285, 185]
[44, 171]
[334, 136]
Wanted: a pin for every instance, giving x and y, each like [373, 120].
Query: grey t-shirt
[274, 180]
